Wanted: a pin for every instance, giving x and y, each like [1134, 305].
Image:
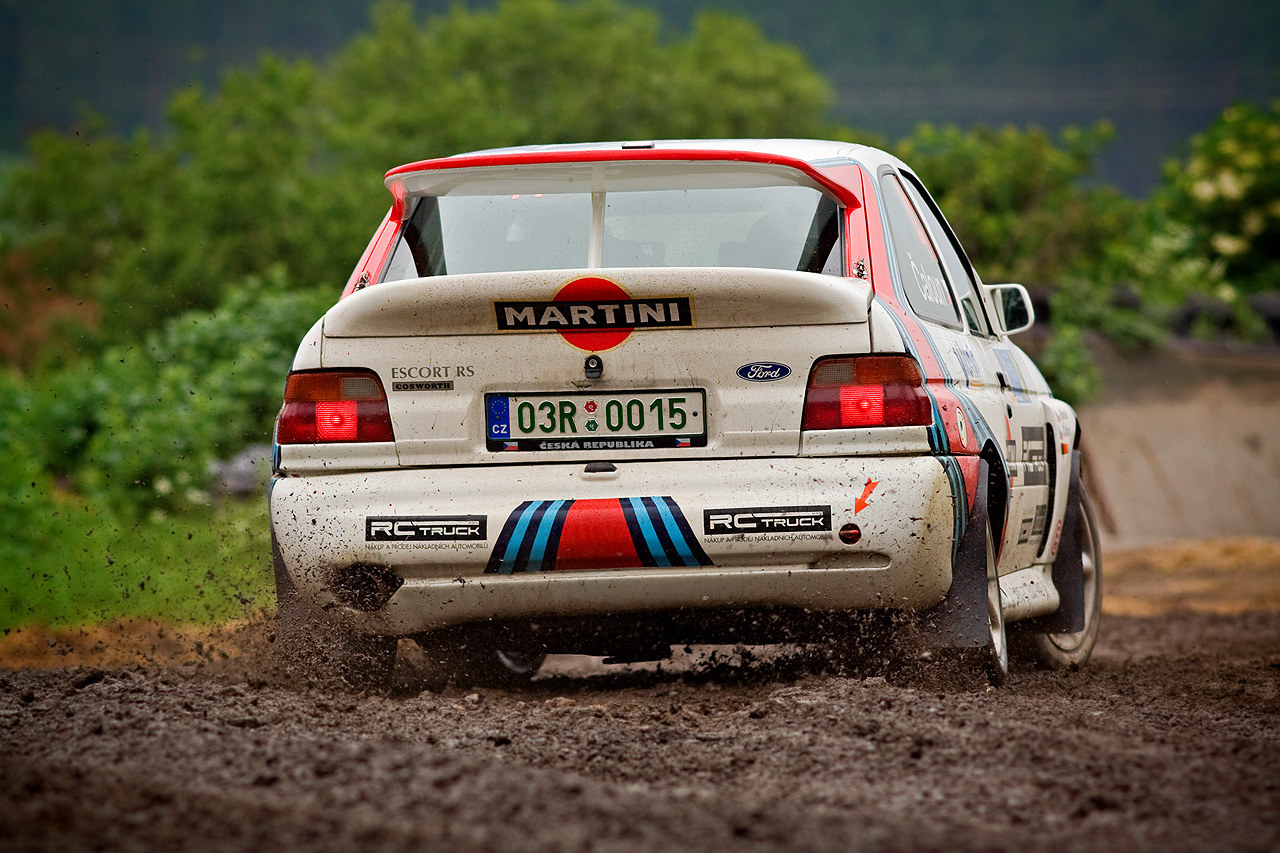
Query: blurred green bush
[106, 508]
[283, 164]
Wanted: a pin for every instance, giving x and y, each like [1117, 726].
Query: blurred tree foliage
[106, 508]
[1020, 204]
[1227, 193]
[281, 165]
[141, 424]
[547, 71]
[1133, 271]
[1202, 253]
[1017, 199]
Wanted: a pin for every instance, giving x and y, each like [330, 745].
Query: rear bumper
[522, 541]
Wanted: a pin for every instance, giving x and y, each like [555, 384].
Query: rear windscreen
[769, 227]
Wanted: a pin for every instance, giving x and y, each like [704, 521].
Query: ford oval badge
[764, 371]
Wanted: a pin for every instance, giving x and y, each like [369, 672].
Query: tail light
[848, 392]
[333, 406]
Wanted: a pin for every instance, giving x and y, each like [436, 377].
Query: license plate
[586, 421]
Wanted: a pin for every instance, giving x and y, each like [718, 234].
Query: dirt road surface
[143, 738]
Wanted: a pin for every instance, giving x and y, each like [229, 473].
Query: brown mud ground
[146, 737]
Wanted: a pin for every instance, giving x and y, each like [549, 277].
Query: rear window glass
[769, 227]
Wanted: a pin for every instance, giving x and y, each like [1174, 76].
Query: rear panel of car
[725, 504]
[522, 541]
[644, 422]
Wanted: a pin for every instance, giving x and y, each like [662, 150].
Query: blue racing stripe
[674, 531]
[517, 537]
[651, 539]
[537, 556]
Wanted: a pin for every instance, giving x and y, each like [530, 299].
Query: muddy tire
[319, 652]
[983, 659]
[964, 635]
[1062, 651]
[992, 659]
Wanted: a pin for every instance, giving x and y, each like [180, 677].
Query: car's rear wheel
[967, 626]
[320, 652]
[1072, 650]
[982, 657]
[994, 658]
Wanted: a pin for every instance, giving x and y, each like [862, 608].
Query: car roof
[813, 156]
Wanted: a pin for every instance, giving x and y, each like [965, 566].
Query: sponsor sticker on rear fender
[757, 520]
[433, 528]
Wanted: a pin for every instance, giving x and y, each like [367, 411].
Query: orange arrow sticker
[861, 503]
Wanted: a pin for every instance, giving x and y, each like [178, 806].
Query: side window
[401, 266]
[958, 269]
[919, 268]
[413, 256]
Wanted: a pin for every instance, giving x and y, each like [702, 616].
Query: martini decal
[594, 314]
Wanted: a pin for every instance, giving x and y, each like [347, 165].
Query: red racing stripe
[595, 536]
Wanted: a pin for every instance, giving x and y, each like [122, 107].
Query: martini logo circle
[598, 292]
[594, 314]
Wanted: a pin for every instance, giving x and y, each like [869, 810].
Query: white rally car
[608, 398]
